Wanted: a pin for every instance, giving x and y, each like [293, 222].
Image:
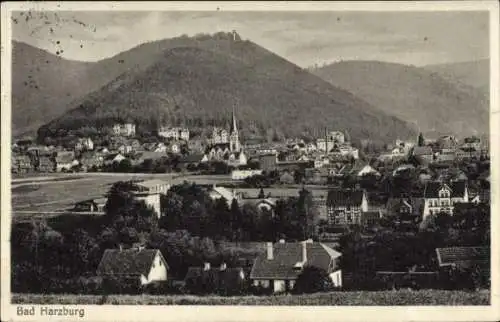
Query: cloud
[304, 38]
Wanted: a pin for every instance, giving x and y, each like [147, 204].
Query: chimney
[206, 266]
[223, 266]
[120, 247]
[270, 251]
[304, 251]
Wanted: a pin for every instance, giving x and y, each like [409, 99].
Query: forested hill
[198, 82]
[417, 95]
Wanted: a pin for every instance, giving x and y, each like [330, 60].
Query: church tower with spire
[234, 137]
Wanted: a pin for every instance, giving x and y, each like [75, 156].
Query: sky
[304, 38]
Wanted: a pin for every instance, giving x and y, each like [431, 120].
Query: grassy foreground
[400, 297]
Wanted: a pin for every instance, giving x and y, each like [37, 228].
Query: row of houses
[275, 269]
[340, 207]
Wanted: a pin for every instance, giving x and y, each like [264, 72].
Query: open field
[59, 192]
[400, 297]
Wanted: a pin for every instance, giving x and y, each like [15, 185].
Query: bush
[313, 280]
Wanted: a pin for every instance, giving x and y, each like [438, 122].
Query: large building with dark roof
[441, 196]
[345, 207]
[279, 267]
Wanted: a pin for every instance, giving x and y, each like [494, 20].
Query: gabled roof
[128, 262]
[223, 192]
[463, 256]
[341, 198]
[457, 189]
[112, 156]
[286, 255]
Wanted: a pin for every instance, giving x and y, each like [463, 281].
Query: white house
[216, 193]
[145, 265]
[367, 169]
[442, 197]
[84, 144]
[149, 191]
[243, 174]
[279, 267]
[126, 129]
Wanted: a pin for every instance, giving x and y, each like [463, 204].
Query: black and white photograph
[270, 155]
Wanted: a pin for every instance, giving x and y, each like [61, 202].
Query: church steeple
[234, 138]
[234, 126]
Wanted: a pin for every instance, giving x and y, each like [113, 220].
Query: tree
[308, 214]
[312, 279]
[126, 214]
[236, 223]
[421, 140]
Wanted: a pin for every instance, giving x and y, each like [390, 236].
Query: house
[216, 192]
[175, 133]
[84, 144]
[263, 204]
[345, 207]
[91, 205]
[423, 153]
[367, 170]
[236, 159]
[465, 258]
[125, 149]
[45, 164]
[102, 150]
[219, 135]
[405, 208]
[21, 163]
[321, 161]
[175, 147]
[243, 174]
[143, 265]
[65, 160]
[159, 148]
[221, 279]
[196, 146]
[446, 155]
[280, 266]
[154, 186]
[447, 142]
[218, 152]
[370, 218]
[441, 197]
[91, 160]
[267, 162]
[112, 158]
[126, 129]
[149, 191]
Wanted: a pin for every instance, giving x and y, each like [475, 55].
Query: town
[291, 215]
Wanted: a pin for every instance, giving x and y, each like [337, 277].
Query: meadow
[60, 192]
[393, 298]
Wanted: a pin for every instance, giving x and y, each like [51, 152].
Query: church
[230, 151]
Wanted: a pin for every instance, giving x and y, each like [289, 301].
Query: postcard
[250, 161]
